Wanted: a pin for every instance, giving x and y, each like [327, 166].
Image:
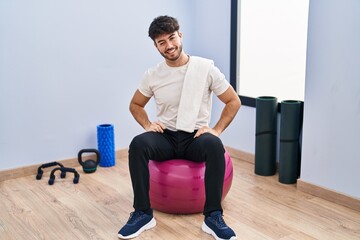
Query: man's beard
[173, 58]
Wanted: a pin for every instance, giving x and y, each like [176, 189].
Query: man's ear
[180, 34]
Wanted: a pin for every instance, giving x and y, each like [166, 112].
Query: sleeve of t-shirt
[145, 87]
[219, 84]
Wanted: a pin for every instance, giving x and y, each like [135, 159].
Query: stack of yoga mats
[266, 140]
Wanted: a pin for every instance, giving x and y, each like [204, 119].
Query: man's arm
[137, 109]
[232, 104]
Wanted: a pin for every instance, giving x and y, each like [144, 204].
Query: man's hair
[163, 25]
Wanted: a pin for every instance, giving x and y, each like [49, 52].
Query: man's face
[169, 45]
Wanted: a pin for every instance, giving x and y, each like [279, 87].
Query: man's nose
[169, 46]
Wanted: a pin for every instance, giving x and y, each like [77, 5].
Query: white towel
[192, 93]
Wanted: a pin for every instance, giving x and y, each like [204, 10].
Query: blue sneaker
[137, 223]
[216, 226]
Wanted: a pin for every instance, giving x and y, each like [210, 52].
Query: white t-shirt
[165, 84]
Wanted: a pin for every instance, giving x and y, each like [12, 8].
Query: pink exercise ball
[177, 185]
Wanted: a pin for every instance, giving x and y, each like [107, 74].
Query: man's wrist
[147, 125]
[218, 132]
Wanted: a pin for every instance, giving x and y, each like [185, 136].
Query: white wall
[67, 66]
[331, 131]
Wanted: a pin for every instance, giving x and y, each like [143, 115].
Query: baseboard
[330, 195]
[32, 169]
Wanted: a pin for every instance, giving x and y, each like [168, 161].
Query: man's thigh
[156, 146]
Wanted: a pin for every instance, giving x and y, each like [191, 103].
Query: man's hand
[155, 127]
[206, 130]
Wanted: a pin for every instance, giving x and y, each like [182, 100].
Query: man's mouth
[170, 51]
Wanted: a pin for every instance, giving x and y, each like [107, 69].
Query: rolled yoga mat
[265, 136]
[106, 146]
[290, 150]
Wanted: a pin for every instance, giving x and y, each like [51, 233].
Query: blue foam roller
[106, 146]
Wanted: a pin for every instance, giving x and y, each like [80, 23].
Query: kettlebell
[89, 166]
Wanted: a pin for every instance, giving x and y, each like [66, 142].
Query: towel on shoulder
[192, 93]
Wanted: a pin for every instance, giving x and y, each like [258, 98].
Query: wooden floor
[256, 208]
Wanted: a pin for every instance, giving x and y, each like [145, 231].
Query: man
[182, 87]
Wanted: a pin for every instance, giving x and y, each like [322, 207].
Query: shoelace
[219, 221]
[134, 217]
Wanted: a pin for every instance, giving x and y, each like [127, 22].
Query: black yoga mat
[265, 135]
[290, 149]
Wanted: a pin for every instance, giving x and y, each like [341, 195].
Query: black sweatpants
[177, 145]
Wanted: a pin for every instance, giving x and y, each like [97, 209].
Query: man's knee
[211, 141]
[142, 140]
[139, 143]
[211, 145]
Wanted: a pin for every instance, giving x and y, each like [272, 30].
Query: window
[269, 48]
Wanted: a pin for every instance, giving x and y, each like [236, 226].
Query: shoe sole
[208, 230]
[147, 226]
